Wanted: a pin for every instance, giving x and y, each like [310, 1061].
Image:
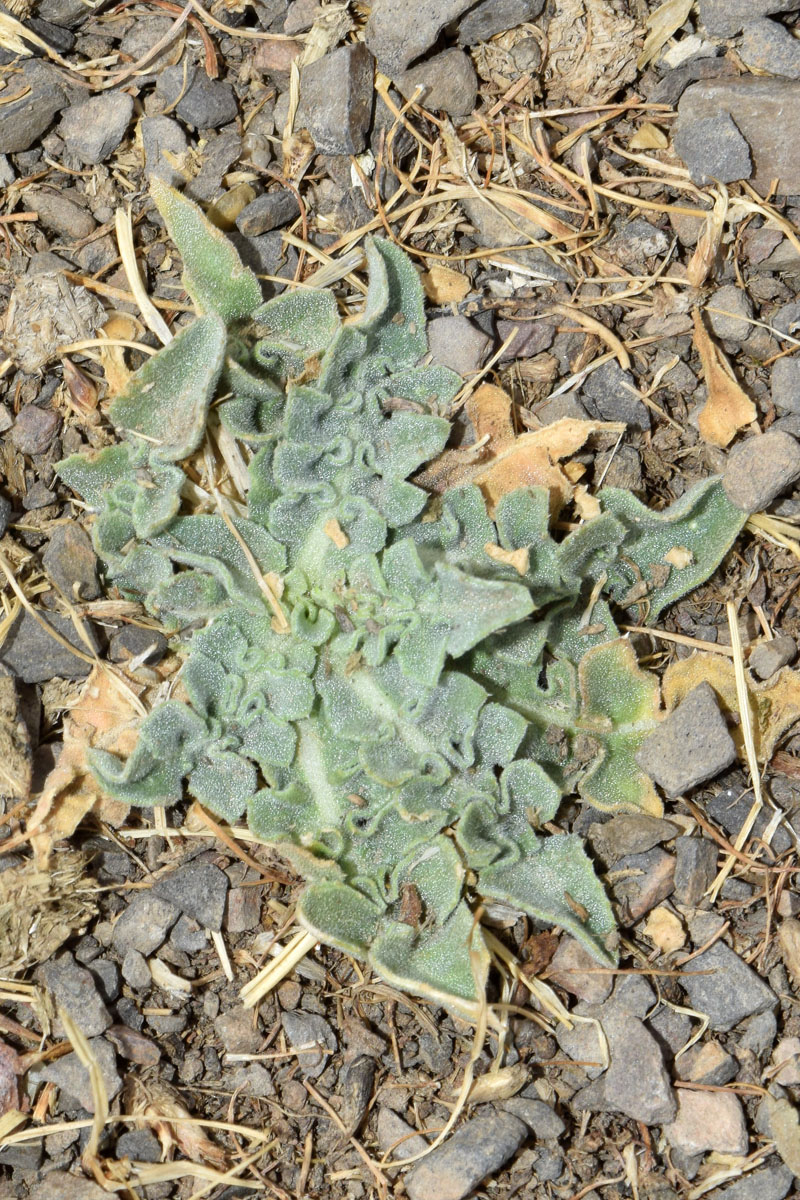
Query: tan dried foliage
[443, 285]
[15, 746]
[161, 1109]
[593, 50]
[40, 909]
[500, 461]
[728, 407]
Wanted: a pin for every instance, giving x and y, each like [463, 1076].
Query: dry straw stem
[152, 317]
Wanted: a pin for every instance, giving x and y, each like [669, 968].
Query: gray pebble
[695, 868]
[768, 657]
[144, 924]
[238, 1032]
[399, 32]
[133, 640]
[609, 394]
[162, 136]
[449, 82]
[771, 1183]
[267, 212]
[36, 657]
[70, 1075]
[495, 16]
[336, 99]
[199, 890]
[476, 1150]
[188, 935]
[71, 563]
[785, 382]
[760, 469]
[712, 147]
[456, 343]
[59, 1185]
[769, 46]
[63, 212]
[730, 992]
[690, 746]
[391, 1128]
[35, 429]
[75, 990]
[734, 301]
[313, 1036]
[135, 970]
[140, 1145]
[41, 97]
[207, 103]
[93, 130]
[37, 496]
[541, 1118]
[726, 18]
[757, 1034]
[629, 833]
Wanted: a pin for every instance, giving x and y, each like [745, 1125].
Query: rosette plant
[397, 689]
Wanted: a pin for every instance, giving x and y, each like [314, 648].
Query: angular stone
[133, 640]
[637, 1082]
[708, 1121]
[766, 111]
[651, 880]
[93, 130]
[449, 82]
[144, 924]
[336, 99]
[139, 1145]
[267, 212]
[575, 970]
[40, 98]
[690, 746]
[771, 1183]
[36, 657]
[313, 1036]
[60, 1185]
[541, 1118]
[70, 1075]
[161, 136]
[71, 563]
[63, 212]
[760, 469]
[400, 31]
[768, 657]
[456, 343]
[785, 384]
[476, 1150]
[769, 46]
[729, 991]
[609, 394]
[726, 18]
[695, 868]
[712, 146]
[707, 1063]
[75, 991]
[199, 890]
[731, 322]
[238, 1032]
[494, 16]
[393, 1131]
[207, 103]
[629, 833]
[35, 429]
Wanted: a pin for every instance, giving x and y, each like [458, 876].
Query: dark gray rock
[356, 1080]
[495, 16]
[63, 212]
[730, 992]
[637, 1082]
[712, 147]
[5, 514]
[336, 99]
[107, 977]
[74, 989]
[35, 429]
[237, 1032]
[532, 337]
[266, 255]
[695, 868]
[629, 833]
[207, 103]
[23, 1157]
[476, 1150]
[37, 496]
[609, 394]
[140, 1145]
[59, 1185]
[400, 31]
[768, 657]
[735, 307]
[300, 16]
[162, 136]
[771, 1183]
[456, 343]
[188, 935]
[635, 242]
[757, 1034]
[448, 81]
[769, 46]
[726, 18]
[690, 746]
[133, 640]
[69, 13]
[766, 113]
[267, 212]
[197, 889]
[707, 1062]
[786, 384]
[254, 1079]
[93, 130]
[41, 97]
[144, 924]
[673, 1029]
[760, 469]
[220, 152]
[565, 405]
[71, 563]
[393, 1131]
[312, 1035]
[70, 1075]
[35, 656]
[135, 970]
[730, 807]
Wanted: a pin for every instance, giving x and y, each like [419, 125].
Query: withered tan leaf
[443, 285]
[728, 407]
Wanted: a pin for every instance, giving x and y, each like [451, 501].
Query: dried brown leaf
[443, 285]
[728, 408]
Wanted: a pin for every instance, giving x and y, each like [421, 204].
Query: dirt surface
[603, 197]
